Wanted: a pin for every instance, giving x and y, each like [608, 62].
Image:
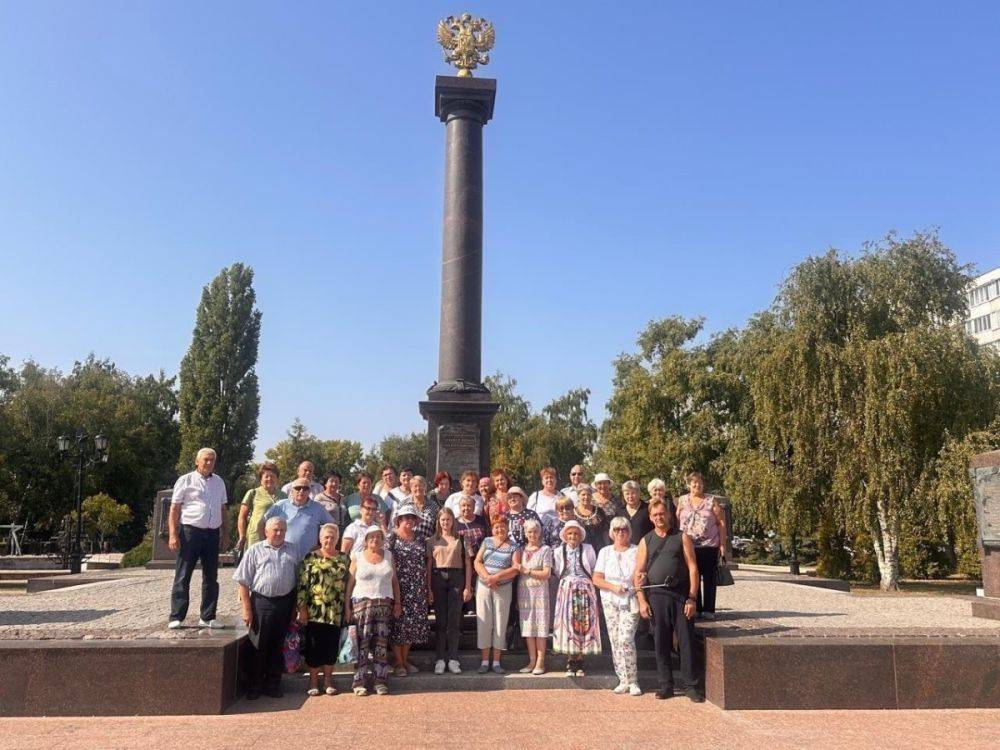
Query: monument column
[459, 408]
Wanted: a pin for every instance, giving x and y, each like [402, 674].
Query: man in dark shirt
[666, 582]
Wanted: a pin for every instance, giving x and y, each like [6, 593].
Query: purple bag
[291, 650]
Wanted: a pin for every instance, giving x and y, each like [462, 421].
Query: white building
[983, 322]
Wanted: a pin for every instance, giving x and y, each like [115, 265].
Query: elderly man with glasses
[577, 478]
[303, 516]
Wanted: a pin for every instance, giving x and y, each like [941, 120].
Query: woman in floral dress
[533, 595]
[576, 630]
[322, 585]
[409, 556]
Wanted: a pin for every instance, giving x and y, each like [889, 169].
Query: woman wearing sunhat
[576, 629]
[409, 557]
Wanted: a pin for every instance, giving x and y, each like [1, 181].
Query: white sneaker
[211, 624]
[439, 666]
[454, 667]
[634, 689]
[174, 624]
[621, 689]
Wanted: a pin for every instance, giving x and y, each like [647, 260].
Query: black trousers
[668, 619]
[271, 616]
[708, 562]
[322, 644]
[447, 585]
[196, 545]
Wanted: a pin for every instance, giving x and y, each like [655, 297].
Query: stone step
[25, 575]
[470, 680]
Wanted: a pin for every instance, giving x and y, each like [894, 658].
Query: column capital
[464, 97]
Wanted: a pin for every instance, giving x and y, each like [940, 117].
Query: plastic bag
[348, 645]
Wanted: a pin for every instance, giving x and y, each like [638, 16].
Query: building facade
[983, 322]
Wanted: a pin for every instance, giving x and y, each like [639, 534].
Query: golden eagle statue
[466, 41]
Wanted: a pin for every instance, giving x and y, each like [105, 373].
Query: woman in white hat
[409, 558]
[604, 498]
[373, 593]
[576, 629]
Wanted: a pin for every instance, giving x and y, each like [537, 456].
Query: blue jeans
[196, 544]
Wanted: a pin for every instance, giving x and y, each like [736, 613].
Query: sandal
[361, 691]
[312, 692]
[331, 690]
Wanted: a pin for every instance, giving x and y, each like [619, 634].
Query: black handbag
[723, 576]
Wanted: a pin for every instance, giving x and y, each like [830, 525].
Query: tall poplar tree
[219, 398]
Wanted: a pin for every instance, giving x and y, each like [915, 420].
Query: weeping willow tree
[860, 373]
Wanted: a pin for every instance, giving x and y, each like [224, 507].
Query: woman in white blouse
[613, 576]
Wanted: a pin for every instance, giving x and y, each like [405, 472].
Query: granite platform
[774, 645]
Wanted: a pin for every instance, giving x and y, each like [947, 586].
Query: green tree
[137, 414]
[862, 370]
[674, 405]
[103, 516]
[343, 456]
[219, 399]
[402, 451]
[523, 441]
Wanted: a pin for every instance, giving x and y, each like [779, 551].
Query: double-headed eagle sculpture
[466, 41]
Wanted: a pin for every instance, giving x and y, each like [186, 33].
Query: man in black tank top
[666, 581]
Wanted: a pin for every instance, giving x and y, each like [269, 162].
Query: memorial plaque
[457, 448]
[986, 481]
[161, 526]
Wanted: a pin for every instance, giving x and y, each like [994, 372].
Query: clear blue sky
[646, 159]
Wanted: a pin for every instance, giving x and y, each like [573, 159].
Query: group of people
[554, 564]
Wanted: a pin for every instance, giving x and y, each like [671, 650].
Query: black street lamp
[83, 455]
[778, 459]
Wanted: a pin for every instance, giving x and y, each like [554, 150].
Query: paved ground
[533, 719]
[134, 603]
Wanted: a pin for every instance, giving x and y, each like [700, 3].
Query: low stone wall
[119, 677]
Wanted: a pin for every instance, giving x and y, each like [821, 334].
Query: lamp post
[77, 450]
[782, 460]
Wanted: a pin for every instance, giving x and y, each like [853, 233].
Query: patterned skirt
[576, 627]
[533, 607]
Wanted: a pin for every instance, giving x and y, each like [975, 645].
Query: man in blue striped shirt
[266, 580]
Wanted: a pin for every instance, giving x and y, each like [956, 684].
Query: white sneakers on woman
[623, 688]
[439, 666]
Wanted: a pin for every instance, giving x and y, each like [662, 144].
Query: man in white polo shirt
[197, 526]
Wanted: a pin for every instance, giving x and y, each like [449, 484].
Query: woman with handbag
[322, 585]
[613, 574]
[701, 518]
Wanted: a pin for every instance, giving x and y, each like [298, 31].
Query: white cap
[601, 477]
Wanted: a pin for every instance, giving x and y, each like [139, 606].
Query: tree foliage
[343, 456]
[523, 441]
[860, 374]
[674, 406]
[137, 414]
[219, 399]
